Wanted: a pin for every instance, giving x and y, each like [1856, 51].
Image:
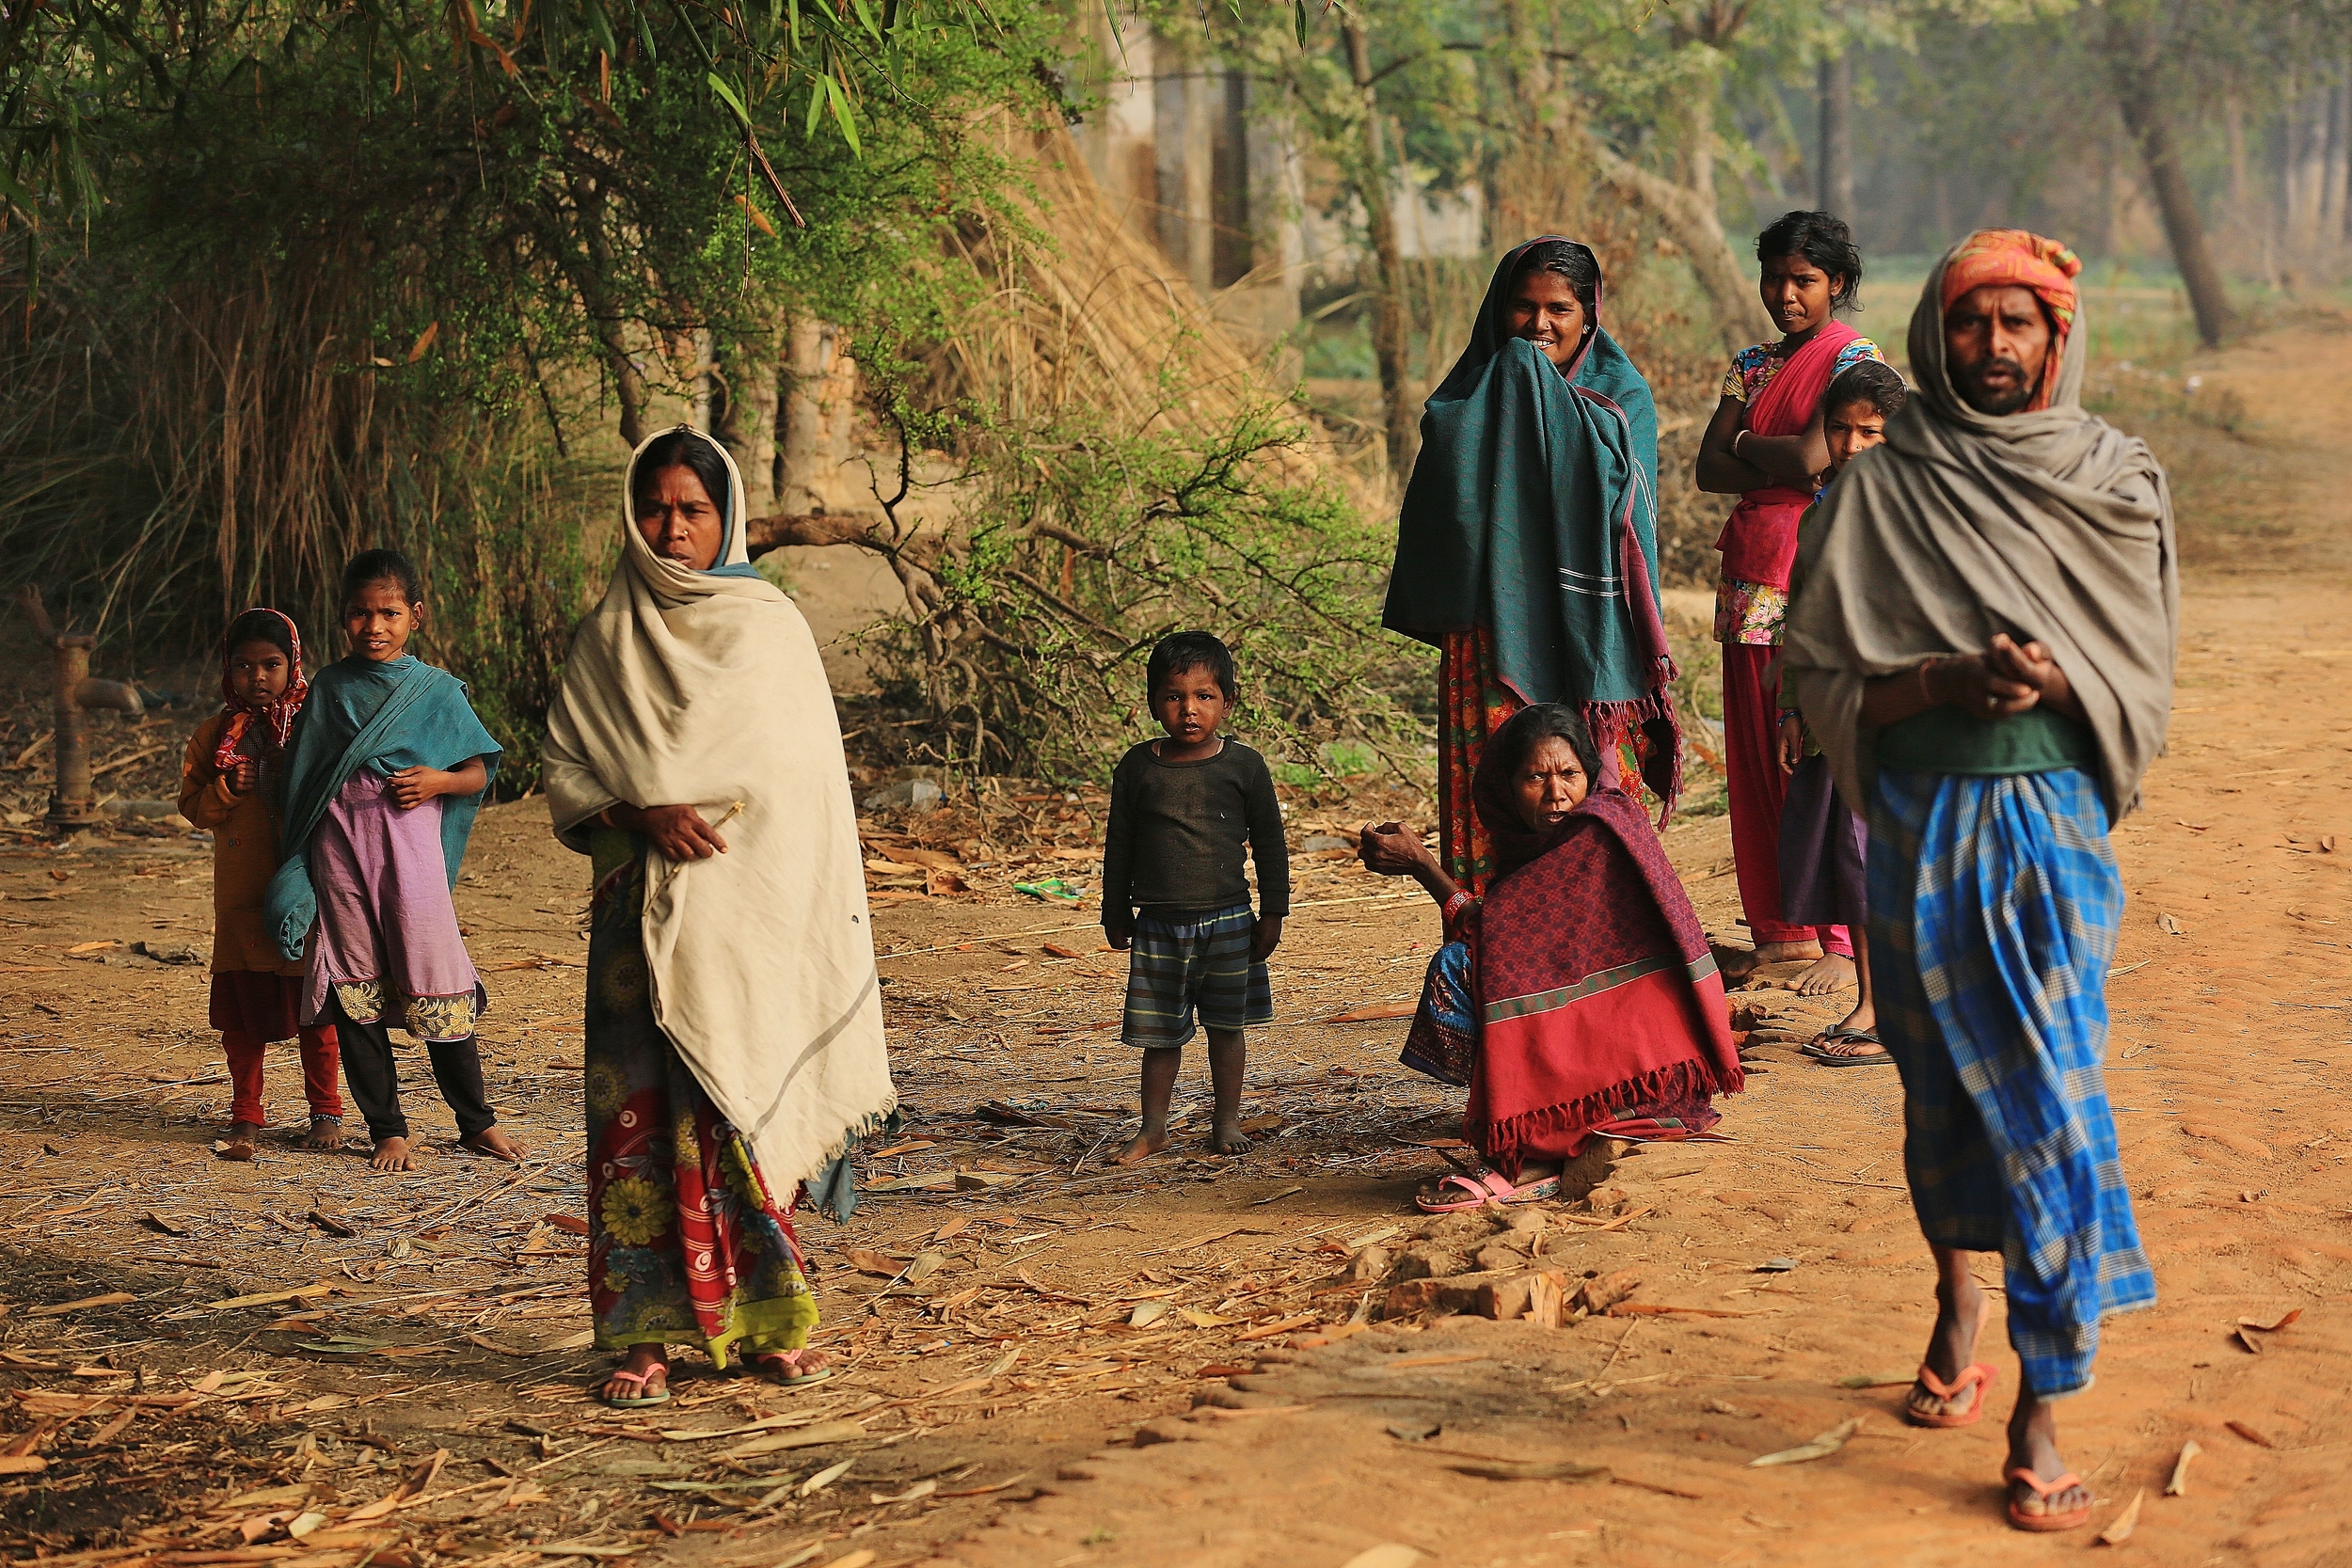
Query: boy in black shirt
[1181, 810]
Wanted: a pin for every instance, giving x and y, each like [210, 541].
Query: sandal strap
[1977, 1375]
[640, 1379]
[2046, 1489]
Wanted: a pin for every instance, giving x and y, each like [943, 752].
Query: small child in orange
[228, 783]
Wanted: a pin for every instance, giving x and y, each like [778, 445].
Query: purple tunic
[387, 945]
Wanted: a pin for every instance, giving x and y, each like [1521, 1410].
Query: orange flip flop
[2072, 1519]
[1978, 1375]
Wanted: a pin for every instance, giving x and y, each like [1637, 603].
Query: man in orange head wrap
[1993, 284]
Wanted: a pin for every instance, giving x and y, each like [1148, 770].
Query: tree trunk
[1691, 223]
[1834, 182]
[747, 423]
[604, 317]
[2141, 95]
[1377, 187]
[808, 448]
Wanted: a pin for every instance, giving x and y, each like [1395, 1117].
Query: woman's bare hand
[680, 832]
[245, 777]
[1392, 849]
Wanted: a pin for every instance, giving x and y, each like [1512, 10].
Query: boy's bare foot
[1831, 971]
[326, 1132]
[237, 1143]
[1228, 1138]
[1143, 1147]
[392, 1154]
[1951, 1346]
[493, 1140]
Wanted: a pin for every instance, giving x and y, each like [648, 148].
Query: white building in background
[1196, 160]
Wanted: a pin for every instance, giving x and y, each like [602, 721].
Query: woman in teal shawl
[1527, 547]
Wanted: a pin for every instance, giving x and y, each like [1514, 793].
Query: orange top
[245, 856]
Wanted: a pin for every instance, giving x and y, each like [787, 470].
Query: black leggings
[374, 1075]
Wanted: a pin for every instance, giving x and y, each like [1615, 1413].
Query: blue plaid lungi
[1995, 904]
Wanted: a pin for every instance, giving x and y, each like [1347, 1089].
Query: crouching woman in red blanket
[1579, 999]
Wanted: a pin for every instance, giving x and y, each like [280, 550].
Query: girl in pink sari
[1765, 446]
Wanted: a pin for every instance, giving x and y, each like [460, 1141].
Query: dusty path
[448, 1321]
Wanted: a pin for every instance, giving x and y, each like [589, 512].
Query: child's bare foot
[493, 1140]
[1831, 971]
[1143, 1147]
[392, 1154]
[237, 1143]
[326, 1132]
[1226, 1137]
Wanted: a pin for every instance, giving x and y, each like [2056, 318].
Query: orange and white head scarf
[2000, 257]
[276, 717]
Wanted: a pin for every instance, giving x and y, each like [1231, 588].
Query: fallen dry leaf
[2250, 1434]
[1821, 1447]
[2270, 1328]
[2178, 1486]
[1388, 1554]
[868, 1261]
[2120, 1529]
[1513, 1469]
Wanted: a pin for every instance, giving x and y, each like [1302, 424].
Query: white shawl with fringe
[697, 689]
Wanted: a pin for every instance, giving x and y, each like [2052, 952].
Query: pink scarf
[1759, 540]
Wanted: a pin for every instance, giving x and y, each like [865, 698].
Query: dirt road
[414, 1390]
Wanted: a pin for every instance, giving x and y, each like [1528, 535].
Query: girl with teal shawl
[386, 769]
[1527, 545]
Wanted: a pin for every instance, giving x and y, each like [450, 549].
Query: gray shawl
[2050, 525]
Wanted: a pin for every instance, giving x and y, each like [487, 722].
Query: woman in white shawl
[734, 1024]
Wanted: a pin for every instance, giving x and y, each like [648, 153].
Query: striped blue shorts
[1188, 963]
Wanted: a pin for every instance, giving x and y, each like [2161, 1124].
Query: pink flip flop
[784, 1366]
[1486, 1187]
[637, 1380]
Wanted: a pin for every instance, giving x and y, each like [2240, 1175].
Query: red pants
[320, 1059]
[1751, 759]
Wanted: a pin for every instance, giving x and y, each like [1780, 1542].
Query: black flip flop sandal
[1845, 1058]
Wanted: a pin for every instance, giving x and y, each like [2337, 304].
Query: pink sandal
[790, 1362]
[640, 1399]
[1486, 1187]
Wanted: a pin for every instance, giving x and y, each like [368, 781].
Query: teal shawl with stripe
[402, 713]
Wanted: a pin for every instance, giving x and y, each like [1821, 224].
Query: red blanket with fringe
[1599, 997]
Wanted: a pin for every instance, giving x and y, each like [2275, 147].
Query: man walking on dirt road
[1983, 645]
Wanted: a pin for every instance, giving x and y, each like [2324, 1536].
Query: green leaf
[843, 116]
[727, 93]
[1298, 18]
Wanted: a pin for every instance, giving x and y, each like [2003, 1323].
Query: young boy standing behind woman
[1183, 810]
[227, 783]
[386, 772]
[1824, 847]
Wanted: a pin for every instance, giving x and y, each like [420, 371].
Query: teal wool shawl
[1532, 514]
[386, 717]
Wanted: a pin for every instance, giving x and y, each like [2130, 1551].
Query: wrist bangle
[1926, 692]
[1735, 442]
[1454, 906]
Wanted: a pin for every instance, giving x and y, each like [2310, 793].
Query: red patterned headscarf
[1997, 258]
[276, 717]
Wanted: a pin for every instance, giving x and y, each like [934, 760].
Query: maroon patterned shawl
[1598, 995]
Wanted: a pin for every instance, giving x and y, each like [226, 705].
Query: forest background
[281, 279]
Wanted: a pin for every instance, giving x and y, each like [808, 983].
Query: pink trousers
[1751, 757]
